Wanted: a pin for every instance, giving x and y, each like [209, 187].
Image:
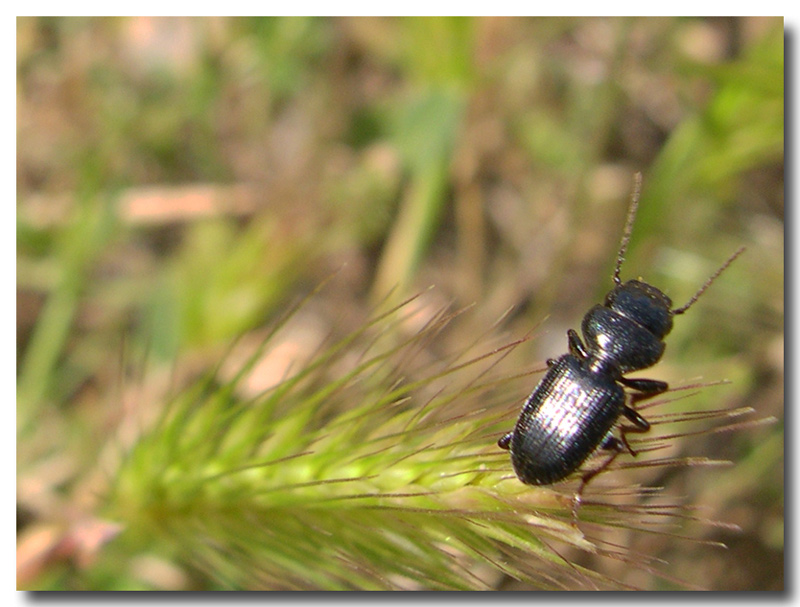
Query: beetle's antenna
[626, 233]
[707, 284]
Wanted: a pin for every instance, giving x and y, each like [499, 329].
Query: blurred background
[181, 180]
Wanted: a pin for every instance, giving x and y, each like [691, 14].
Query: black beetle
[574, 409]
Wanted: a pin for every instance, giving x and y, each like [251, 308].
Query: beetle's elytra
[575, 408]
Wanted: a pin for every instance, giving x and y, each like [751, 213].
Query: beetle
[577, 405]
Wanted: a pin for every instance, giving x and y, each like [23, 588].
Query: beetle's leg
[610, 443]
[505, 441]
[617, 445]
[645, 387]
[640, 425]
[576, 347]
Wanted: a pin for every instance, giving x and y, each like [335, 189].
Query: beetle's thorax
[627, 332]
[600, 364]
